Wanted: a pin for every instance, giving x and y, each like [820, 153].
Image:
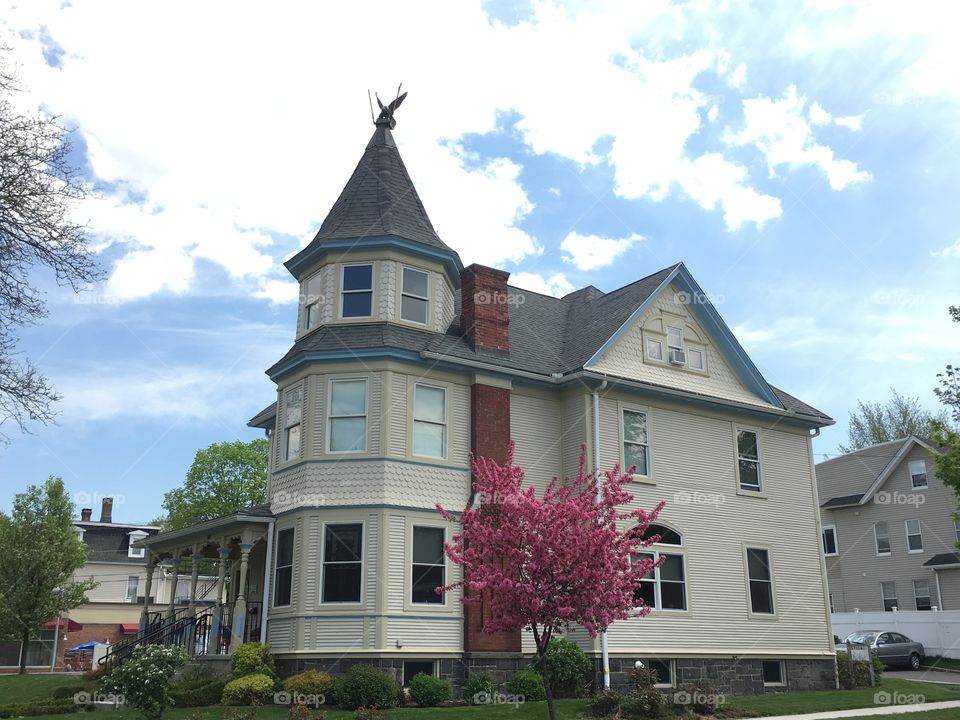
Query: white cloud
[556, 285]
[590, 252]
[712, 180]
[948, 251]
[738, 77]
[279, 291]
[777, 127]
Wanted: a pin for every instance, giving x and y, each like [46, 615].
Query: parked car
[892, 648]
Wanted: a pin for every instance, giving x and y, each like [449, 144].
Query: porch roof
[255, 514]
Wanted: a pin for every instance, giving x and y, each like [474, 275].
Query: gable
[631, 354]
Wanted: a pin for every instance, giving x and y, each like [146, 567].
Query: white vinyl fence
[938, 631]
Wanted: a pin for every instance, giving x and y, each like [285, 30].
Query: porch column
[224, 552]
[195, 559]
[240, 607]
[171, 605]
[145, 613]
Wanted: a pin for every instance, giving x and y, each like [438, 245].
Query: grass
[34, 686]
[942, 662]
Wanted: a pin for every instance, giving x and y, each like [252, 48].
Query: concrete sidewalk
[871, 711]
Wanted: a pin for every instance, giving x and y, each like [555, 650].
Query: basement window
[415, 667]
[773, 673]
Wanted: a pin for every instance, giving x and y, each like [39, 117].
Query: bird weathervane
[387, 111]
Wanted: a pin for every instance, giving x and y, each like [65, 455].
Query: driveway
[947, 678]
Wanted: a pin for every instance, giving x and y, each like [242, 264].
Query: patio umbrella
[86, 646]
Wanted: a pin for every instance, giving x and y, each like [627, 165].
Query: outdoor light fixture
[399, 643]
[638, 664]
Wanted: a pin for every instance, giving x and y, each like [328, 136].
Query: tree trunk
[24, 639]
[545, 672]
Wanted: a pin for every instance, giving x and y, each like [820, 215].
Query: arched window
[665, 587]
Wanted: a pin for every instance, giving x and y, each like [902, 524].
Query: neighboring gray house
[889, 535]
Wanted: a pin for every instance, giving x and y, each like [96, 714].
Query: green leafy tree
[947, 438]
[898, 417]
[224, 478]
[39, 554]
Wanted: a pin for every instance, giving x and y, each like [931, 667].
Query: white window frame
[831, 601]
[136, 589]
[918, 533]
[331, 416]
[703, 359]
[373, 282]
[748, 490]
[836, 544]
[444, 424]
[928, 596]
[410, 564]
[624, 408]
[773, 589]
[671, 668]
[876, 539]
[679, 330]
[289, 426]
[657, 550]
[307, 304]
[783, 674]
[277, 566]
[426, 299]
[133, 552]
[884, 598]
[659, 343]
[324, 563]
[911, 467]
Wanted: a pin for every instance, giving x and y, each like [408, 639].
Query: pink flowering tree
[544, 563]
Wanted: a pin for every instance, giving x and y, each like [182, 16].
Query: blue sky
[802, 161]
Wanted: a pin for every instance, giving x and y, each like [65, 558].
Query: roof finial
[387, 111]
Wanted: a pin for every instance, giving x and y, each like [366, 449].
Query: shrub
[364, 686]
[642, 702]
[197, 692]
[428, 691]
[144, 678]
[52, 707]
[478, 686]
[239, 714]
[569, 668]
[605, 703]
[67, 691]
[309, 682]
[854, 675]
[527, 683]
[252, 659]
[299, 711]
[249, 690]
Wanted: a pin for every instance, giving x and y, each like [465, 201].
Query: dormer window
[356, 291]
[311, 302]
[136, 552]
[415, 296]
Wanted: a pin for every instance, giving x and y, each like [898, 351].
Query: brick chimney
[85, 514]
[484, 308]
[106, 511]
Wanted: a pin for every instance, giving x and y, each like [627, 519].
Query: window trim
[919, 534]
[445, 424]
[660, 341]
[760, 491]
[622, 407]
[323, 564]
[426, 322]
[703, 359]
[783, 673]
[916, 597]
[285, 429]
[306, 305]
[831, 602]
[913, 482]
[444, 603]
[876, 539]
[774, 605]
[884, 598]
[836, 542]
[134, 536]
[666, 332]
[328, 432]
[672, 669]
[657, 549]
[136, 588]
[277, 566]
[373, 283]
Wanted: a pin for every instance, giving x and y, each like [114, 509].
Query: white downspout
[267, 589]
[604, 648]
[936, 575]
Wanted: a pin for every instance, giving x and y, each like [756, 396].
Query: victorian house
[404, 361]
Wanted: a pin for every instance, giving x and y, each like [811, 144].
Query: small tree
[548, 562]
[874, 423]
[225, 477]
[39, 554]
[946, 438]
[143, 680]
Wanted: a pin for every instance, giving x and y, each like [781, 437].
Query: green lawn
[34, 686]
[942, 662]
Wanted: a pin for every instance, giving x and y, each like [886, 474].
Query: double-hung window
[347, 418]
[312, 298]
[761, 581]
[429, 421]
[136, 552]
[921, 594]
[888, 593]
[654, 349]
[133, 587]
[283, 576]
[748, 460]
[415, 296]
[918, 473]
[830, 540]
[914, 537]
[664, 587]
[882, 536]
[695, 359]
[674, 338]
[292, 415]
[342, 562]
[356, 291]
[428, 569]
[636, 442]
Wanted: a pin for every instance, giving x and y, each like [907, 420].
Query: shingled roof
[379, 200]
